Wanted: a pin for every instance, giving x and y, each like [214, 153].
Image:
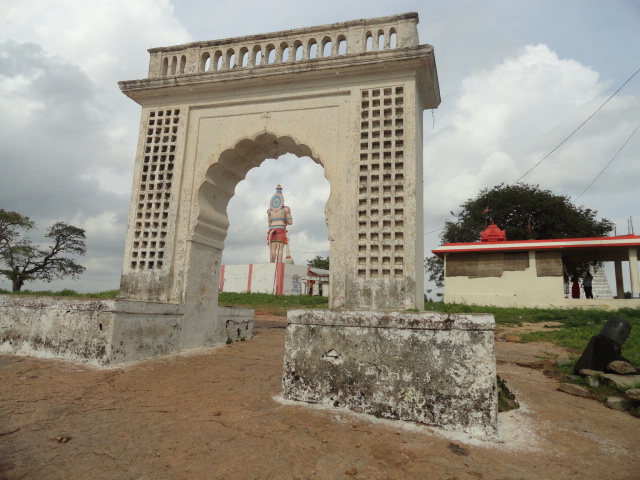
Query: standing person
[575, 287]
[279, 217]
[587, 285]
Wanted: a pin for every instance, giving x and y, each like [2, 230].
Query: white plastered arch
[232, 167]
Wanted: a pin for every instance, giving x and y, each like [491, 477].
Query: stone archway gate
[348, 95]
[351, 97]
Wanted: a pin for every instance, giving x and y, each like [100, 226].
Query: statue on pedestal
[279, 217]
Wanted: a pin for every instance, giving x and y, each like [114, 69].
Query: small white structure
[318, 282]
[274, 278]
[530, 273]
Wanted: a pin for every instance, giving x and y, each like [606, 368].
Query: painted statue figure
[279, 217]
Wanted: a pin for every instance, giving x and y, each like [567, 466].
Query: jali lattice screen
[381, 180]
[154, 197]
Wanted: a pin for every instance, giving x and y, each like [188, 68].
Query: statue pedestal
[424, 367]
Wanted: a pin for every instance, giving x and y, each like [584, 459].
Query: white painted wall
[235, 278]
[523, 289]
[264, 278]
[519, 288]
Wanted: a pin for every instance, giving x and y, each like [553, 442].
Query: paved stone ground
[215, 414]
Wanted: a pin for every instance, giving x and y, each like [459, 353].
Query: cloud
[82, 49]
[108, 38]
[68, 150]
[510, 116]
[54, 136]
[46, 94]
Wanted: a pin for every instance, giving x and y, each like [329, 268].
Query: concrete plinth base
[433, 368]
[107, 332]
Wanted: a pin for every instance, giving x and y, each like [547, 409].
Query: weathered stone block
[622, 380]
[107, 332]
[634, 394]
[576, 390]
[238, 322]
[145, 330]
[621, 368]
[56, 327]
[618, 403]
[433, 368]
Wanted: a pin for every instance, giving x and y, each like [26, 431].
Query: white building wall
[519, 288]
[235, 278]
[264, 279]
[513, 288]
[523, 289]
[292, 281]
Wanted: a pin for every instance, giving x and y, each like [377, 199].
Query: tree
[434, 265]
[525, 212]
[24, 261]
[319, 262]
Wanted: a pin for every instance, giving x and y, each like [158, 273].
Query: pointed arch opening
[233, 166]
[305, 191]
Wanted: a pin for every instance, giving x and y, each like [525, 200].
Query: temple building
[533, 273]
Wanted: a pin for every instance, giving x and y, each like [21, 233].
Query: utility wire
[581, 125]
[304, 251]
[610, 161]
[571, 135]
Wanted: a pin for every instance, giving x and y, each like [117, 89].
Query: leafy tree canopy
[319, 262]
[525, 212]
[10, 222]
[21, 260]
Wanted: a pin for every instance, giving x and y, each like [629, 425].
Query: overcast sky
[516, 78]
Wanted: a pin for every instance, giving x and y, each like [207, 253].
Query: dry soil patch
[217, 414]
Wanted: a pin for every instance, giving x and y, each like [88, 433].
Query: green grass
[273, 304]
[576, 329]
[65, 293]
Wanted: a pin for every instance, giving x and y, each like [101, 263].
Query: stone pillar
[148, 268]
[199, 328]
[619, 280]
[389, 274]
[633, 272]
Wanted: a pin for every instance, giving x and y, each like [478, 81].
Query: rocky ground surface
[217, 414]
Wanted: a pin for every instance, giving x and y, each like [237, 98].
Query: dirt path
[215, 414]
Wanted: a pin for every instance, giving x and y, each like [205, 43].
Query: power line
[573, 133]
[581, 125]
[610, 161]
[433, 231]
[303, 251]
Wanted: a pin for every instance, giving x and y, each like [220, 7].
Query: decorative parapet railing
[287, 47]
